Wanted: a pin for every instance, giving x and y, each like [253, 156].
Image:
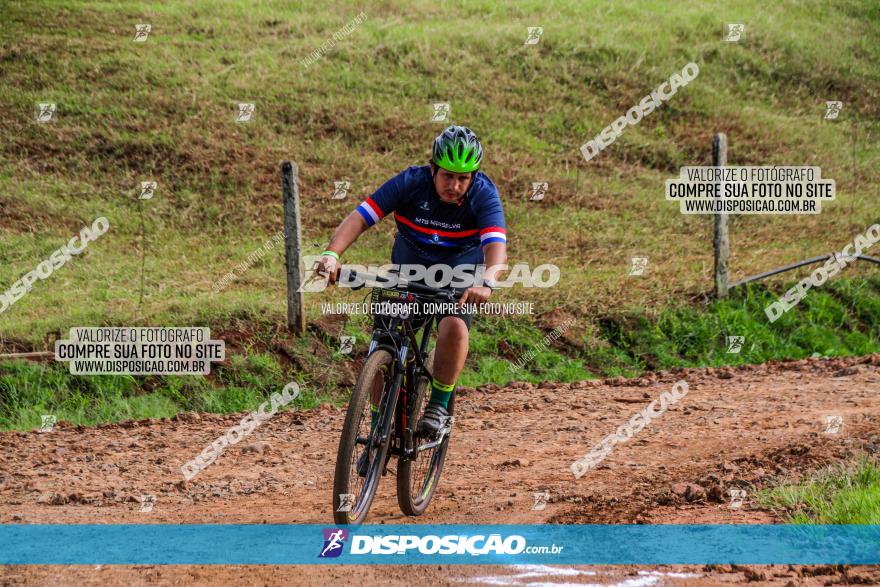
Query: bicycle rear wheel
[417, 478]
[377, 373]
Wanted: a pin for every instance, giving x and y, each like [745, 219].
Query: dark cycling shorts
[405, 252]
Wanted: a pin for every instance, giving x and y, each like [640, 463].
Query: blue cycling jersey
[431, 229]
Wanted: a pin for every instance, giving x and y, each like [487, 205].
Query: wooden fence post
[721, 242]
[296, 321]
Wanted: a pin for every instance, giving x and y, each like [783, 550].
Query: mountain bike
[399, 370]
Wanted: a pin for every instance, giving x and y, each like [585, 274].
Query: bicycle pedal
[446, 429]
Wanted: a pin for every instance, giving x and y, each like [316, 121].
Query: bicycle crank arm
[441, 435]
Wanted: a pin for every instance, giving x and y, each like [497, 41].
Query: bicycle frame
[399, 345]
[398, 337]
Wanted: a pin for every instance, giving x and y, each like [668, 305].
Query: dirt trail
[736, 427]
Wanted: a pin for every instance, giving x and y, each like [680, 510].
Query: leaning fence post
[292, 249]
[720, 242]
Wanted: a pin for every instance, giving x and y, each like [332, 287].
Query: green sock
[440, 393]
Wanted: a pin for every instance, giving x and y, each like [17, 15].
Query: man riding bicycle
[447, 213]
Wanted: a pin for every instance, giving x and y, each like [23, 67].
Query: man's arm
[345, 234]
[495, 255]
[369, 212]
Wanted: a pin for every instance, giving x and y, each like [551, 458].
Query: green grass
[840, 494]
[163, 110]
[842, 319]
[28, 391]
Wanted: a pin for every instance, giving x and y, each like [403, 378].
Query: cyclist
[447, 213]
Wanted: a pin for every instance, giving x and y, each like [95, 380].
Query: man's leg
[449, 357]
[452, 349]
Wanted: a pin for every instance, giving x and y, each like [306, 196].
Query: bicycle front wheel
[352, 493]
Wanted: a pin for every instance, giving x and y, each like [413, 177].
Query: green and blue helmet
[457, 149]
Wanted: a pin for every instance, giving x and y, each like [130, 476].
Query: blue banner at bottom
[246, 544]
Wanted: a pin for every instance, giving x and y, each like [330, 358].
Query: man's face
[451, 186]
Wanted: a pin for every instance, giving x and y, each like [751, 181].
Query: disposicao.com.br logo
[334, 541]
[454, 544]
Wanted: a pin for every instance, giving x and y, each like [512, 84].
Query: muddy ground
[745, 428]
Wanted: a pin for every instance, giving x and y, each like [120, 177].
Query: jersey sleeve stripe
[493, 229]
[375, 207]
[371, 213]
[494, 237]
